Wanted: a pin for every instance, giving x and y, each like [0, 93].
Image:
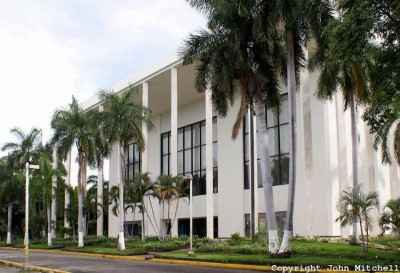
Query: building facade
[189, 139]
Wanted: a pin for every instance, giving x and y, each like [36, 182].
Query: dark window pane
[196, 159]
[136, 168]
[165, 164]
[130, 171]
[180, 139]
[272, 118]
[203, 132]
[203, 157]
[246, 178]
[130, 155]
[188, 137]
[285, 169]
[215, 154]
[188, 161]
[196, 134]
[203, 183]
[180, 162]
[246, 147]
[275, 170]
[136, 153]
[273, 141]
[215, 180]
[165, 141]
[259, 174]
[284, 141]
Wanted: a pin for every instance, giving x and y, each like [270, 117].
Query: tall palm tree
[21, 151]
[11, 189]
[349, 70]
[72, 126]
[121, 122]
[300, 20]
[237, 60]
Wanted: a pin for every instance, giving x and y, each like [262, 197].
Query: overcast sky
[53, 49]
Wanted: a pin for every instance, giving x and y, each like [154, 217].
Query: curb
[32, 267]
[115, 257]
[210, 264]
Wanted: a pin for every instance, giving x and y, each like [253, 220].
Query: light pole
[191, 213]
[27, 167]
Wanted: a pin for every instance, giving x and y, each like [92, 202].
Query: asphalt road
[82, 264]
[6, 269]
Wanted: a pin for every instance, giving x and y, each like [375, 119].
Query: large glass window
[192, 154]
[133, 160]
[165, 152]
[278, 137]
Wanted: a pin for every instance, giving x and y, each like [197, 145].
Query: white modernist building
[189, 138]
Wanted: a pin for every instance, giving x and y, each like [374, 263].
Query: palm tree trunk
[49, 235]
[362, 234]
[263, 146]
[143, 225]
[291, 72]
[121, 237]
[100, 218]
[80, 200]
[9, 223]
[355, 160]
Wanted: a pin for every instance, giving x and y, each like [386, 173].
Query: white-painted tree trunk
[263, 146]
[100, 218]
[9, 223]
[80, 239]
[54, 195]
[49, 229]
[80, 200]
[291, 82]
[121, 237]
[355, 160]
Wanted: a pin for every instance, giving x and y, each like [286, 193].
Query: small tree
[390, 218]
[353, 203]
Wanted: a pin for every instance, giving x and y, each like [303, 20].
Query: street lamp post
[191, 214]
[27, 167]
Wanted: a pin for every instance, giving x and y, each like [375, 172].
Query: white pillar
[68, 183]
[53, 194]
[174, 122]
[174, 134]
[100, 180]
[145, 102]
[255, 185]
[209, 166]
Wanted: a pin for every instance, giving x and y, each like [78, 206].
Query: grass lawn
[107, 251]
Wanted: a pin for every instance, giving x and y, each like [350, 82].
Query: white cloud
[51, 50]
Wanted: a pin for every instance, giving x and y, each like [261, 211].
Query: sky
[51, 50]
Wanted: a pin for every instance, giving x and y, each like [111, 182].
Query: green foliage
[390, 218]
[235, 239]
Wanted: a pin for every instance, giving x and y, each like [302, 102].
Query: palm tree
[43, 187]
[73, 126]
[352, 205]
[11, 189]
[236, 60]
[121, 122]
[349, 70]
[22, 150]
[300, 19]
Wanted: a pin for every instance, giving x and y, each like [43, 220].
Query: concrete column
[68, 183]
[145, 102]
[100, 182]
[209, 166]
[173, 168]
[255, 185]
[53, 194]
[174, 122]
